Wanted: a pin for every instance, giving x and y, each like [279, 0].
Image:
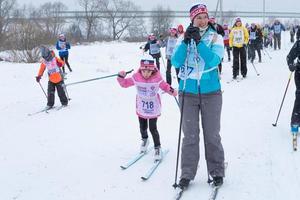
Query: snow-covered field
[76, 153]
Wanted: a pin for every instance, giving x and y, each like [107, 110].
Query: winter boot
[217, 181]
[157, 154]
[184, 183]
[144, 145]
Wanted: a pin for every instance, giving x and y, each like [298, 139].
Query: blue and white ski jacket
[201, 74]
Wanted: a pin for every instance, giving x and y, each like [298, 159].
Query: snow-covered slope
[76, 153]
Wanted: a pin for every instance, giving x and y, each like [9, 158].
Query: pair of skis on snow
[46, 110]
[212, 196]
[238, 79]
[213, 192]
[138, 157]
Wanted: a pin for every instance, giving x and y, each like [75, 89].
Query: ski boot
[217, 181]
[157, 154]
[184, 183]
[144, 145]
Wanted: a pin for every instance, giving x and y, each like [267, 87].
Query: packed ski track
[76, 152]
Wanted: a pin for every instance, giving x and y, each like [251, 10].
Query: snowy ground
[75, 153]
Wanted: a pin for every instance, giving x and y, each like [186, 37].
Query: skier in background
[148, 81]
[238, 39]
[277, 27]
[63, 50]
[292, 33]
[153, 45]
[255, 42]
[170, 44]
[52, 64]
[180, 34]
[226, 40]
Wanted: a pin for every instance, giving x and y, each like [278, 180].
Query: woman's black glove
[192, 33]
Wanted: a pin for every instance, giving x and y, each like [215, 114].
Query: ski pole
[255, 69]
[177, 102]
[43, 90]
[267, 53]
[94, 79]
[66, 91]
[275, 124]
[175, 185]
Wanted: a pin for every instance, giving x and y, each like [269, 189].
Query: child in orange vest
[52, 64]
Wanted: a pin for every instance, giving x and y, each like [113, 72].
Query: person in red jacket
[226, 40]
[53, 65]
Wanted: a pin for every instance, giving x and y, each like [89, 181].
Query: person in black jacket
[255, 42]
[298, 32]
[295, 66]
[153, 45]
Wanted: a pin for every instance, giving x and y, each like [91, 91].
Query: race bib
[238, 37]
[277, 29]
[52, 66]
[154, 48]
[171, 46]
[252, 35]
[193, 69]
[62, 45]
[226, 36]
[147, 102]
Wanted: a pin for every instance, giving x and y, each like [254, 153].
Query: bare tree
[52, 24]
[120, 17]
[92, 9]
[25, 37]
[161, 20]
[6, 10]
[137, 31]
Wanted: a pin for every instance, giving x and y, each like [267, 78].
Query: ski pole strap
[94, 79]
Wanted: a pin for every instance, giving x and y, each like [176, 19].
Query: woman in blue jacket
[63, 50]
[198, 57]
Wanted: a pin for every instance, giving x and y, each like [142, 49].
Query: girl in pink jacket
[147, 80]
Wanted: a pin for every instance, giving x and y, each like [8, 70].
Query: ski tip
[274, 125]
[144, 178]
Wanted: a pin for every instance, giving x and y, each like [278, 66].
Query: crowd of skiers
[197, 55]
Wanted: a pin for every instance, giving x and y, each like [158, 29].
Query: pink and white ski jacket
[148, 103]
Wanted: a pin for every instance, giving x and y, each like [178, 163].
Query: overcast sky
[182, 5]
